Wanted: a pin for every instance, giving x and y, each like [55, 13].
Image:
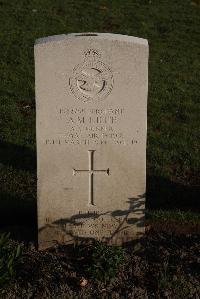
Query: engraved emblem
[92, 79]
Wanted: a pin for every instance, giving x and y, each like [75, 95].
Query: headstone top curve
[97, 35]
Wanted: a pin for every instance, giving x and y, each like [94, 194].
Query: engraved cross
[91, 171]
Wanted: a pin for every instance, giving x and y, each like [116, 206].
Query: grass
[9, 256]
[104, 261]
[172, 29]
[176, 215]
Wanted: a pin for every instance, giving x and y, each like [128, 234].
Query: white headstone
[91, 107]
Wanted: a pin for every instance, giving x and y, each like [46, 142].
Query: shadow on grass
[168, 195]
[17, 156]
[18, 217]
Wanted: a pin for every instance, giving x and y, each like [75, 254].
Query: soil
[162, 265]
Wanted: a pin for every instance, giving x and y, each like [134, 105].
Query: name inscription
[91, 126]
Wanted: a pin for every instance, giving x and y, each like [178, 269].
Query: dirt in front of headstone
[161, 265]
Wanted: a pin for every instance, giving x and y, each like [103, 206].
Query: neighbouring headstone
[91, 110]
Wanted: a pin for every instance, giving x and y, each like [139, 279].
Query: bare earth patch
[162, 265]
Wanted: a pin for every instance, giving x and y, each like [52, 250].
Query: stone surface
[91, 107]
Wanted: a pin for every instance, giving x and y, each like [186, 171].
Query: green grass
[177, 215]
[9, 256]
[172, 29]
[104, 261]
